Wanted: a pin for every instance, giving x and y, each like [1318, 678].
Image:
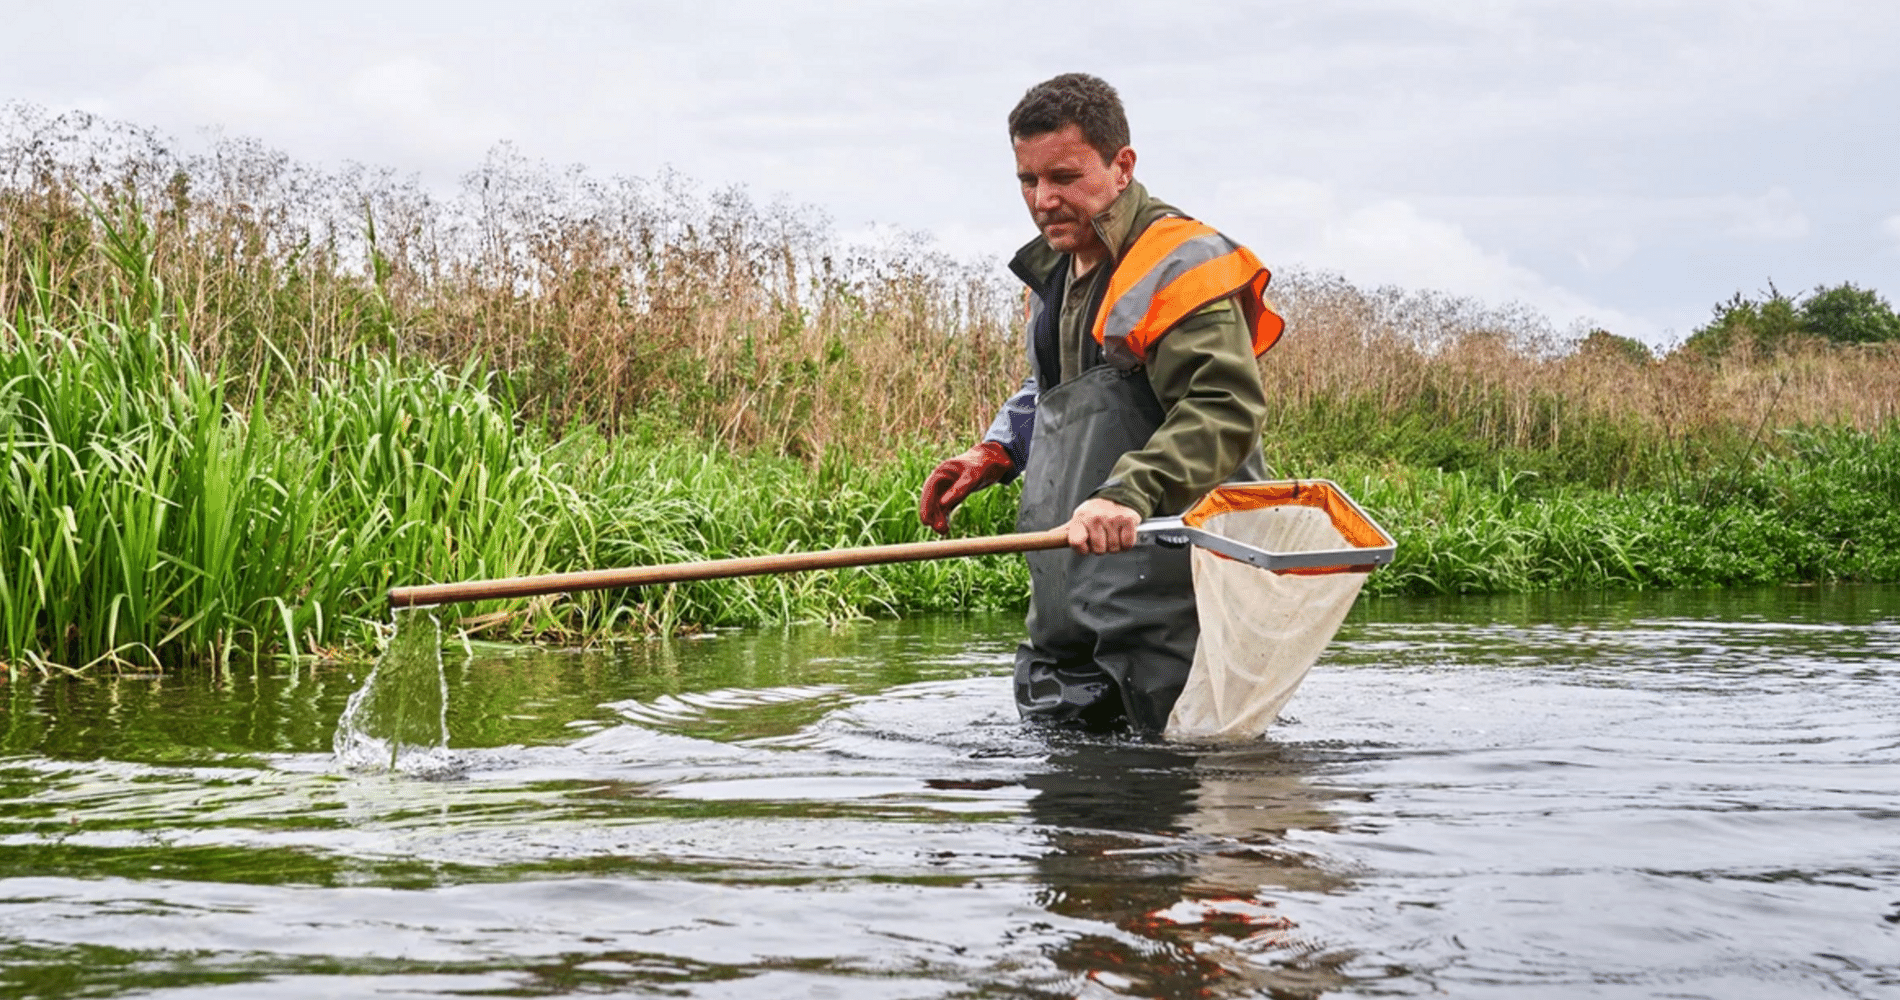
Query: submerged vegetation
[240, 398]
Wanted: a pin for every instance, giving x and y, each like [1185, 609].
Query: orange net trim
[1359, 532]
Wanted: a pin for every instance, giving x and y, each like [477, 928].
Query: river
[1648, 795]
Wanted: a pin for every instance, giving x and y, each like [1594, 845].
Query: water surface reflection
[1177, 853]
[1659, 795]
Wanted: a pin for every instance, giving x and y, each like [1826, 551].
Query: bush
[1768, 326]
[1603, 342]
[1842, 314]
[1845, 314]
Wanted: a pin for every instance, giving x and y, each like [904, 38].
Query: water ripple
[1582, 800]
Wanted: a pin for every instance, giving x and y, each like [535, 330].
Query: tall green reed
[1825, 510]
[240, 398]
[615, 301]
[147, 518]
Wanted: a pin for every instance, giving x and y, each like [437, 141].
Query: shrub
[1841, 314]
[1846, 314]
[1765, 326]
[1602, 342]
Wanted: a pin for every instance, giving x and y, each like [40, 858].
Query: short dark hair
[1078, 99]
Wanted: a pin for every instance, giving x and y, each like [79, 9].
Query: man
[1143, 394]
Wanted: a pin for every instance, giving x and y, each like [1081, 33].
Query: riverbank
[149, 519]
[239, 399]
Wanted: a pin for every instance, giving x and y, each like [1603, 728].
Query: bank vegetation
[241, 396]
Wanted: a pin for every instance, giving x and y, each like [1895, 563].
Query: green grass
[1826, 509]
[143, 519]
[216, 438]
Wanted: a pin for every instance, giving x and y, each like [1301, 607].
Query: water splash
[398, 719]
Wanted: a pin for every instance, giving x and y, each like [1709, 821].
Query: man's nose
[1045, 197]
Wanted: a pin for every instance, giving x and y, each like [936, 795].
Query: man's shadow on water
[1182, 850]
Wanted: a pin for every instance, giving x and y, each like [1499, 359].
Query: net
[1276, 568]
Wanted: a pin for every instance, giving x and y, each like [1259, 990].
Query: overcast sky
[1622, 163]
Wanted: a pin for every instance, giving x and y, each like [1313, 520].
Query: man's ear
[1124, 166]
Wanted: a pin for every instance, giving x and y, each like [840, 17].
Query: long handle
[642, 576]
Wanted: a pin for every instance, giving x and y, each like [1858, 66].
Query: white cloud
[423, 110]
[969, 240]
[1772, 216]
[239, 95]
[1604, 231]
[1390, 241]
[406, 86]
[1625, 152]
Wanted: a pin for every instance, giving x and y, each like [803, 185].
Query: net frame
[1266, 615]
[1368, 544]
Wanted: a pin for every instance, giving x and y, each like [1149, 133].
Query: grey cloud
[1636, 159]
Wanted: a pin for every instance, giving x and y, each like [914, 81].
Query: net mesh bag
[1302, 552]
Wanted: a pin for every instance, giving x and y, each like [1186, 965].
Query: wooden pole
[792, 562]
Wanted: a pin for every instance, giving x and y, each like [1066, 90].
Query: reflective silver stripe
[1126, 313]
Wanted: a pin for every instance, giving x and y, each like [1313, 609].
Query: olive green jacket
[1203, 373]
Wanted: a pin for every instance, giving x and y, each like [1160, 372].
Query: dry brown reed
[599, 301]
[617, 301]
[1504, 378]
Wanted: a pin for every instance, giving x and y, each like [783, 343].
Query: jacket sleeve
[1014, 425]
[1206, 378]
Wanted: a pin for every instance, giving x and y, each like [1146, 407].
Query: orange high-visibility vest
[1176, 268]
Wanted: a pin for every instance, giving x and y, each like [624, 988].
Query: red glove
[957, 478]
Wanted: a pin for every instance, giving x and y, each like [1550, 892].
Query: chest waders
[1110, 637]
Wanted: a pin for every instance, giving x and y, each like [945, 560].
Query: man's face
[1066, 184]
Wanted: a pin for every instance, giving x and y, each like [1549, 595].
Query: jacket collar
[1036, 262]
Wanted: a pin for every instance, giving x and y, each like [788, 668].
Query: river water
[1658, 795]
